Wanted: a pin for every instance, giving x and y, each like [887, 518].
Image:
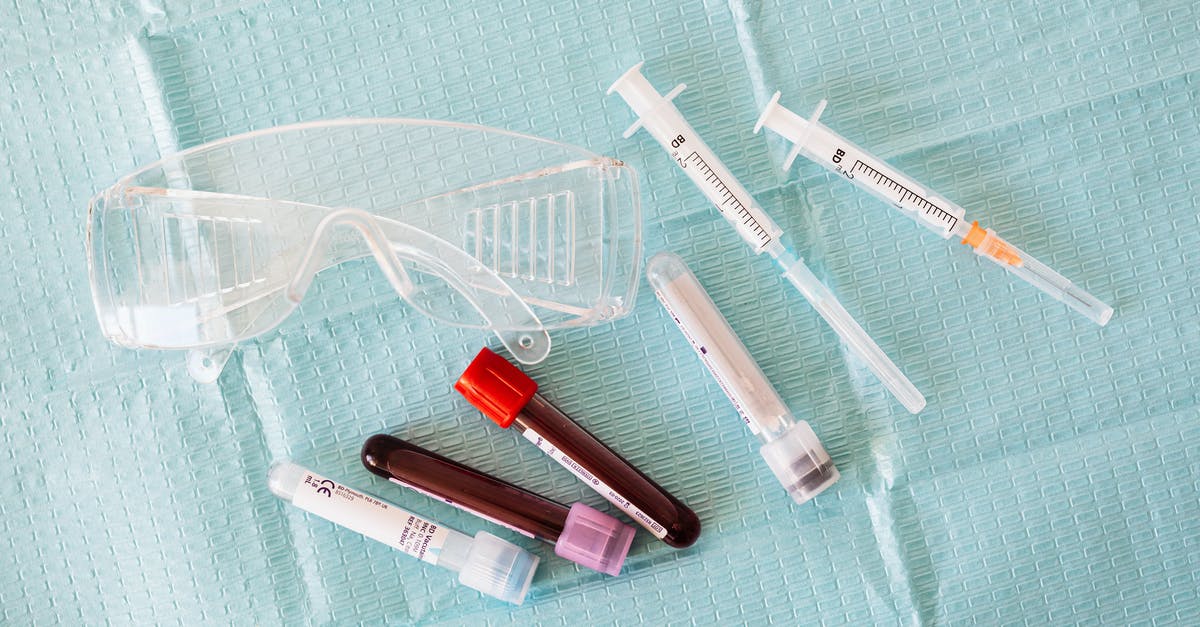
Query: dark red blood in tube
[477, 492]
[579, 533]
[507, 396]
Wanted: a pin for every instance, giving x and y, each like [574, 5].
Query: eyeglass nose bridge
[507, 315]
[366, 224]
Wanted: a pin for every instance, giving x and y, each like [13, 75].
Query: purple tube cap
[594, 539]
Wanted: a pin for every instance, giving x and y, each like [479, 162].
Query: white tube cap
[800, 463]
[498, 568]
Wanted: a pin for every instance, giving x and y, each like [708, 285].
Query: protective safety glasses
[472, 226]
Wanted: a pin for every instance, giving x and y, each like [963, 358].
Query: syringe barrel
[866, 171]
[666, 125]
[720, 349]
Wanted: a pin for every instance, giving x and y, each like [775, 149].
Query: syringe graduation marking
[728, 199]
[923, 204]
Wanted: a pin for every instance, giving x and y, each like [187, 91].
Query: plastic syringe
[665, 123]
[821, 145]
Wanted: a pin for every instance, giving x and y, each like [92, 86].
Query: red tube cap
[496, 387]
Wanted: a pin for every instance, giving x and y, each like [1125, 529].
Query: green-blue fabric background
[1052, 479]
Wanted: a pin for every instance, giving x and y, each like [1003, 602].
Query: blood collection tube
[507, 396]
[485, 563]
[579, 533]
[790, 447]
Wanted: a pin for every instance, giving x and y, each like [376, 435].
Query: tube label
[371, 517]
[707, 359]
[462, 507]
[599, 486]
